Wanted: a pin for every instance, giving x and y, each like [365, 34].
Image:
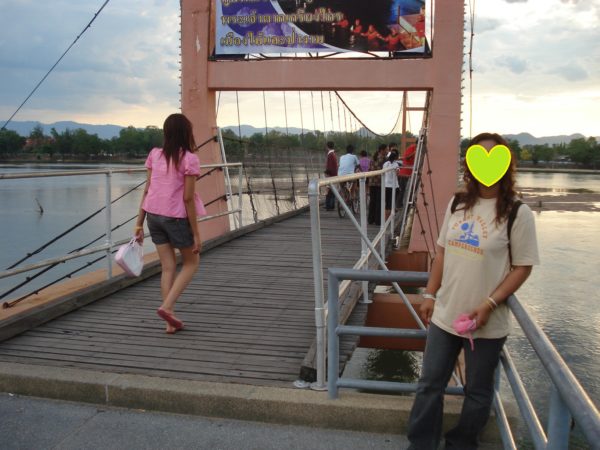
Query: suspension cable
[218, 104]
[312, 100]
[472, 23]
[424, 234]
[301, 120]
[287, 134]
[429, 172]
[331, 113]
[250, 195]
[427, 213]
[64, 233]
[46, 269]
[86, 219]
[362, 123]
[337, 103]
[323, 114]
[270, 161]
[237, 104]
[55, 64]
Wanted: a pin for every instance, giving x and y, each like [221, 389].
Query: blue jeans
[330, 199]
[441, 351]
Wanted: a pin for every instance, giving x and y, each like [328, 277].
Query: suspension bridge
[277, 272]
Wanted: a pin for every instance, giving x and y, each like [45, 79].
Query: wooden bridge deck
[249, 314]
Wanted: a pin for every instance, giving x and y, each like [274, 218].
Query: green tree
[84, 144]
[541, 153]
[525, 155]
[514, 145]
[135, 142]
[584, 151]
[62, 143]
[10, 143]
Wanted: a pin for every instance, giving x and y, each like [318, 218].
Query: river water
[561, 294]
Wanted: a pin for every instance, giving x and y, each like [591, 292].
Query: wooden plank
[249, 314]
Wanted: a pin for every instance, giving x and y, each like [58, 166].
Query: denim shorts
[170, 230]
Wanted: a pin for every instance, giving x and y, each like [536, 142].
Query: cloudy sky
[536, 67]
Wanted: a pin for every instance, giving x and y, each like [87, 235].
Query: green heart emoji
[488, 167]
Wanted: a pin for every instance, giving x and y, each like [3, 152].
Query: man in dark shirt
[331, 170]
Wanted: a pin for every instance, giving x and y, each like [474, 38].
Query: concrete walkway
[284, 413]
[32, 423]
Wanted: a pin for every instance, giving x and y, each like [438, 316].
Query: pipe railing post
[108, 226]
[382, 213]
[315, 231]
[559, 421]
[240, 193]
[333, 362]
[363, 227]
[393, 208]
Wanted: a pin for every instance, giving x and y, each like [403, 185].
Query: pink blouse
[165, 196]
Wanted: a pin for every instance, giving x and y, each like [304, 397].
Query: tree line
[134, 143]
[583, 152]
[78, 144]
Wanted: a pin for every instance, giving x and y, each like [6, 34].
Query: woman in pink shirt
[171, 205]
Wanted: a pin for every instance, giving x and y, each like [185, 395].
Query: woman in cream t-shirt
[471, 274]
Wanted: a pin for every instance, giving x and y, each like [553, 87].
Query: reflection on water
[392, 365]
[551, 181]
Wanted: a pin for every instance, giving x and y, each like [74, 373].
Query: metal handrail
[109, 245]
[14, 176]
[367, 246]
[367, 250]
[572, 394]
[568, 398]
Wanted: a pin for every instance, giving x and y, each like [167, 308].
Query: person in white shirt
[391, 181]
[480, 261]
[348, 162]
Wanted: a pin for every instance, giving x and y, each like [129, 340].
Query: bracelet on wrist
[429, 296]
[137, 227]
[491, 299]
[491, 303]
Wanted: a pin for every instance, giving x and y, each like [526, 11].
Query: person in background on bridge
[408, 160]
[479, 263]
[349, 164]
[391, 181]
[171, 205]
[375, 186]
[364, 161]
[331, 170]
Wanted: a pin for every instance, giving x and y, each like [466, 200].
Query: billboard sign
[319, 26]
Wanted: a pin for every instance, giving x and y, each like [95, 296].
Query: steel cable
[55, 64]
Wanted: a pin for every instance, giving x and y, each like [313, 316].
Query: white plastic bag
[130, 257]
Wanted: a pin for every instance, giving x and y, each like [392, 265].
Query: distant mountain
[528, 139]
[109, 131]
[103, 131]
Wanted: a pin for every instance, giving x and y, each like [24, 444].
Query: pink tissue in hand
[464, 325]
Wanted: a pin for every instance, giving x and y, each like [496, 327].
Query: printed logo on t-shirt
[466, 236]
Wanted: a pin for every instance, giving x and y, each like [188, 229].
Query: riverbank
[542, 200]
[558, 170]
[137, 161]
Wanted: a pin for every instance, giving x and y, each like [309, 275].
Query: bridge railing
[109, 245]
[567, 399]
[368, 249]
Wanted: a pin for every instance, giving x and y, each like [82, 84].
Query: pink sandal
[170, 319]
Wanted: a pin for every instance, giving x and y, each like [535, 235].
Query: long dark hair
[506, 193]
[178, 138]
